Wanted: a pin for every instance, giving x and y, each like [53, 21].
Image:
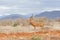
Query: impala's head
[31, 17]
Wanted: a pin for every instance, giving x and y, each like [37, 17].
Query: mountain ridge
[47, 14]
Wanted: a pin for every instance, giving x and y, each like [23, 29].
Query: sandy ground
[11, 29]
[27, 29]
[8, 29]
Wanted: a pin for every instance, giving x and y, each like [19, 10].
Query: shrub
[15, 24]
[36, 38]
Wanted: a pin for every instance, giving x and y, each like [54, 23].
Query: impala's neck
[31, 20]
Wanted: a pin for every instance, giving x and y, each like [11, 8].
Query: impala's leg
[42, 29]
[34, 28]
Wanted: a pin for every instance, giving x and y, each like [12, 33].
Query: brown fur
[36, 24]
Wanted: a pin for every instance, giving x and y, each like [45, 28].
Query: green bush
[36, 38]
[15, 24]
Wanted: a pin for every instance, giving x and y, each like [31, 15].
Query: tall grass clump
[36, 38]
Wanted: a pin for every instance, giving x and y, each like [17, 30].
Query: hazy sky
[27, 6]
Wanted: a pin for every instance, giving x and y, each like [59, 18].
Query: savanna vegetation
[44, 34]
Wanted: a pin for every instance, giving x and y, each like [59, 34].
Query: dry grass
[20, 29]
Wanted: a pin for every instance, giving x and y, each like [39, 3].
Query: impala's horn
[31, 16]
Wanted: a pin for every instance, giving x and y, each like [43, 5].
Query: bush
[36, 38]
[15, 24]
